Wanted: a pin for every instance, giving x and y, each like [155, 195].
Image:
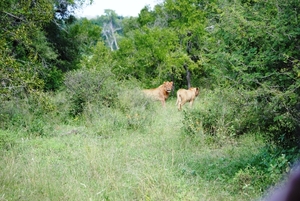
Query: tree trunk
[188, 76]
[113, 35]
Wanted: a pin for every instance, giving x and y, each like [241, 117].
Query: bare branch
[13, 16]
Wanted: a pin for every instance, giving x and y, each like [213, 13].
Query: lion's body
[160, 93]
[184, 96]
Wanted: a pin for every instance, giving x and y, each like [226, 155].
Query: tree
[25, 51]
[111, 25]
[31, 55]
[144, 55]
[188, 20]
[257, 49]
[182, 24]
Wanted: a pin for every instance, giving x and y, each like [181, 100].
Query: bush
[135, 106]
[34, 114]
[12, 114]
[128, 108]
[118, 105]
[53, 79]
[265, 169]
[230, 112]
[89, 86]
[225, 113]
[279, 118]
[249, 180]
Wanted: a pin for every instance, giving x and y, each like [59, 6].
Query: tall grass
[132, 150]
[153, 163]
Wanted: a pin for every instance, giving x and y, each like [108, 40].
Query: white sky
[121, 7]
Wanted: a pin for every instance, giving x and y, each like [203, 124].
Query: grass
[152, 163]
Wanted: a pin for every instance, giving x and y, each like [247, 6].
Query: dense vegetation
[66, 77]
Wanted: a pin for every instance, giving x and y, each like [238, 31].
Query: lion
[160, 93]
[184, 96]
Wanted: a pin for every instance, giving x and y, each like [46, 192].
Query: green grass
[156, 162]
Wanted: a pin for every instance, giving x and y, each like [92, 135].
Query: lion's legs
[178, 104]
[191, 103]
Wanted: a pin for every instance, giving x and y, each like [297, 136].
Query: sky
[125, 8]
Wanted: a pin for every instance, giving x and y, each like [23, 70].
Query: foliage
[92, 94]
[243, 54]
[33, 115]
[265, 169]
[100, 58]
[136, 107]
[145, 55]
[146, 17]
[225, 113]
[30, 55]
[23, 45]
[85, 34]
[93, 82]
[279, 116]
[232, 112]
[87, 86]
[252, 49]
[71, 38]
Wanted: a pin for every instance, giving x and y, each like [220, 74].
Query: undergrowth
[133, 149]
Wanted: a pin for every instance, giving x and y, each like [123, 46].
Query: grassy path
[156, 164]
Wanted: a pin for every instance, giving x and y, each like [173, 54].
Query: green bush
[249, 180]
[11, 114]
[226, 112]
[118, 105]
[279, 118]
[135, 106]
[53, 79]
[89, 86]
[132, 103]
[34, 114]
[264, 169]
[230, 112]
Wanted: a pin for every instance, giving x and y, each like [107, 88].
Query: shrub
[12, 113]
[264, 169]
[53, 79]
[134, 105]
[32, 114]
[249, 180]
[89, 86]
[279, 117]
[119, 105]
[226, 112]
[230, 112]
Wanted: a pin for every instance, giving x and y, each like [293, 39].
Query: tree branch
[13, 16]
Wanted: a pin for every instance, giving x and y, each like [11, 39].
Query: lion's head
[168, 86]
[196, 89]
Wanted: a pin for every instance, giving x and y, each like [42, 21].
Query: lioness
[160, 93]
[184, 96]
